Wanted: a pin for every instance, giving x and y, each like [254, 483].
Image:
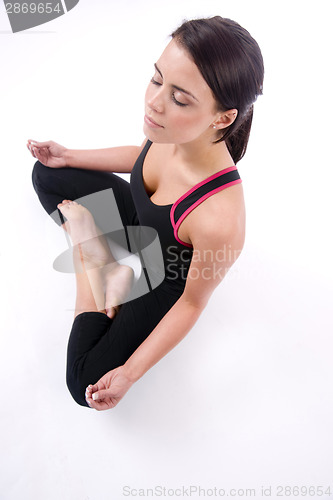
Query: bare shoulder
[219, 220]
[216, 229]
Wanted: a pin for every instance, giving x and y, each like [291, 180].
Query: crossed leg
[102, 284]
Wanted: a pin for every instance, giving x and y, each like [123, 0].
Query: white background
[245, 400]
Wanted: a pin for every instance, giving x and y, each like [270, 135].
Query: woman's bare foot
[118, 281]
[84, 233]
[95, 253]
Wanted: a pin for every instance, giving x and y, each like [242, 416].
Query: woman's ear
[225, 119]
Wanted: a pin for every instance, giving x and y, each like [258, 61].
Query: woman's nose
[155, 101]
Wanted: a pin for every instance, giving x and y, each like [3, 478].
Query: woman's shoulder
[219, 219]
[222, 205]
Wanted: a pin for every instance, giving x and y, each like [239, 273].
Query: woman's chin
[154, 135]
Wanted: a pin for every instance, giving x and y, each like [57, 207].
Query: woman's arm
[207, 270]
[203, 277]
[111, 388]
[117, 159]
[172, 328]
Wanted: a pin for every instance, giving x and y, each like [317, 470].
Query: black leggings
[98, 344]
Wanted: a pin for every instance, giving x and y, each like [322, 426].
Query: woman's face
[179, 105]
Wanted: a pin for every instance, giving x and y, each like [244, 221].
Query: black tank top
[166, 219]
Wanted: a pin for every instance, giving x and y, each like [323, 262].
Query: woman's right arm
[117, 159]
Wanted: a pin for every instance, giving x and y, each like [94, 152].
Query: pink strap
[200, 200]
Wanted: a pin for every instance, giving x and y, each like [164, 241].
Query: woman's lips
[151, 123]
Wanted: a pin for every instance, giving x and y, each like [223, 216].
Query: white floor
[245, 401]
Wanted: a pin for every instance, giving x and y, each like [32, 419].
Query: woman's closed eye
[155, 82]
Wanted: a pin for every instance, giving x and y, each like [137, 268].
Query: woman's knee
[39, 175]
[77, 388]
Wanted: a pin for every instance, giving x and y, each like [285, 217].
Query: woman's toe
[111, 311]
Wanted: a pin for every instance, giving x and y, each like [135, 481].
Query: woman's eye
[155, 82]
[177, 102]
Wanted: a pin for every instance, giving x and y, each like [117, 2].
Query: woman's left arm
[206, 272]
[172, 328]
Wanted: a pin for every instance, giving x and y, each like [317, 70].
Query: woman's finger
[102, 394]
[89, 403]
[93, 404]
[88, 391]
[28, 146]
[89, 398]
[93, 388]
[98, 405]
[40, 144]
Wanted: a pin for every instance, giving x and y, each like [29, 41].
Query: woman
[184, 184]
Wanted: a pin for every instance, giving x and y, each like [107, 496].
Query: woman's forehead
[178, 68]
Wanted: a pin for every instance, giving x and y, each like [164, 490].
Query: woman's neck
[203, 155]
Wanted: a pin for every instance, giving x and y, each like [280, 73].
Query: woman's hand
[109, 390]
[49, 153]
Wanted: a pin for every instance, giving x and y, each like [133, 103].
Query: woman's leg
[102, 284]
[88, 288]
[97, 343]
[52, 186]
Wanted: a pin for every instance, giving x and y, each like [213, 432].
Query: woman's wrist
[67, 157]
[130, 372]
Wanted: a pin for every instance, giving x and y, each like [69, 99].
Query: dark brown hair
[230, 61]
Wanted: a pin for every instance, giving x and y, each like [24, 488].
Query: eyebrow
[176, 86]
